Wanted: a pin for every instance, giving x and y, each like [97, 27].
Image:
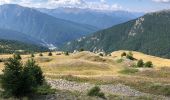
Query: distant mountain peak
[98, 18]
[40, 25]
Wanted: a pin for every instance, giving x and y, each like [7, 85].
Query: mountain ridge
[148, 34]
[40, 25]
[97, 18]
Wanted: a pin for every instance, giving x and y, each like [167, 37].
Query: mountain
[41, 26]
[149, 34]
[14, 35]
[12, 46]
[100, 19]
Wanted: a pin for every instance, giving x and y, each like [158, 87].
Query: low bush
[101, 54]
[45, 89]
[81, 50]
[123, 54]
[1, 60]
[95, 91]
[50, 54]
[66, 53]
[140, 63]
[149, 64]
[32, 55]
[130, 57]
[17, 56]
[40, 54]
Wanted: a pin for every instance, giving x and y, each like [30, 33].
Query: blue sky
[130, 5]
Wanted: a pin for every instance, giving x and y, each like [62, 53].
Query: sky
[128, 5]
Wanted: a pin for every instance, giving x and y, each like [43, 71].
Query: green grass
[45, 90]
[129, 71]
[161, 89]
[95, 91]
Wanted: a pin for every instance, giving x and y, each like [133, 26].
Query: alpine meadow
[84, 50]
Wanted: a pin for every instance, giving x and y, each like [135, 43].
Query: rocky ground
[118, 89]
[84, 87]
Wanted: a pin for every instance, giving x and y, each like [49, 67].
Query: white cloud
[162, 1]
[98, 5]
[5, 1]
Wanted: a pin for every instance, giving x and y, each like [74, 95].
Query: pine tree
[20, 80]
[12, 77]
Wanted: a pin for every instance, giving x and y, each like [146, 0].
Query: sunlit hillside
[157, 61]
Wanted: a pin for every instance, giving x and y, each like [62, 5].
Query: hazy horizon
[110, 5]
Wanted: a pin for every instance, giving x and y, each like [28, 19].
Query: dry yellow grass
[157, 61]
[90, 67]
[83, 63]
[86, 63]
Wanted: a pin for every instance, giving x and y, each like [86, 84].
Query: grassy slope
[89, 67]
[87, 63]
[157, 61]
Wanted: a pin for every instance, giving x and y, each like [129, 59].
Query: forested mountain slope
[149, 34]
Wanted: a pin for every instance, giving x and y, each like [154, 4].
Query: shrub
[45, 89]
[50, 54]
[32, 55]
[40, 54]
[81, 49]
[67, 53]
[140, 63]
[17, 56]
[95, 91]
[101, 54]
[1, 60]
[128, 56]
[149, 64]
[20, 80]
[123, 54]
